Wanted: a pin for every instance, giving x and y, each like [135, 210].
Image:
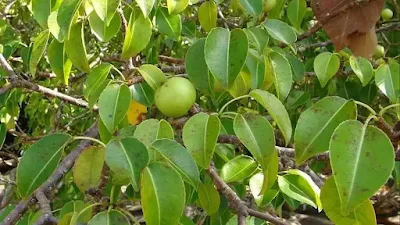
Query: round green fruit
[379, 52]
[387, 14]
[175, 97]
[269, 5]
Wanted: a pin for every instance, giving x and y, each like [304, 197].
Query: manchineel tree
[169, 112]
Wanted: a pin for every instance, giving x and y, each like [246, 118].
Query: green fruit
[269, 5]
[175, 97]
[379, 52]
[380, 62]
[387, 14]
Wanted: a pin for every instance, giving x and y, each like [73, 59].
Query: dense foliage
[169, 112]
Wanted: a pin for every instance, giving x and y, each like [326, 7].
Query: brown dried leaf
[350, 23]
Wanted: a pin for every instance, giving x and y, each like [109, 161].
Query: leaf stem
[230, 102]
[383, 111]
[90, 139]
[367, 107]
[369, 118]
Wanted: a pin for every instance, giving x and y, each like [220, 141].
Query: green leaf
[256, 185]
[73, 208]
[58, 60]
[241, 86]
[363, 214]
[54, 27]
[258, 38]
[66, 14]
[150, 130]
[278, 71]
[137, 35]
[114, 102]
[109, 217]
[363, 69]
[146, 6]
[298, 67]
[127, 157]
[296, 11]
[362, 158]
[39, 161]
[255, 63]
[326, 65]
[152, 75]
[75, 48]
[257, 134]
[280, 31]
[207, 15]
[177, 6]
[106, 9]
[169, 25]
[225, 54]
[39, 46]
[88, 167]
[252, 7]
[209, 198]
[160, 186]
[96, 82]
[317, 124]
[277, 11]
[179, 158]
[388, 81]
[41, 10]
[276, 109]
[239, 168]
[142, 93]
[197, 69]
[104, 32]
[3, 133]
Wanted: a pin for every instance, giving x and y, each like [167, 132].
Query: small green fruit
[269, 5]
[175, 97]
[380, 61]
[387, 14]
[379, 52]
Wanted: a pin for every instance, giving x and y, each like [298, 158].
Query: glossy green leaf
[276, 109]
[225, 54]
[66, 15]
[363, 69]
[258, 38]
[150, 130]
[169, 25]
[96, 82]
[179, 158]
[152, 75]
[241, 86]
[163, 195]
[39, 162]
[137, 35]
[239, 168]
[296, 11]
[109, 217]
[41, 10]
[255, 63]
[388, 81]
[88, 167]
[249, 221]
[54, 27]
[39, 46]
[3, 133]
[257, 134]
[75, 48]
[146, 6]
[317, 124]
[73, 208]
[297, 65]
[177, 6]
[326, 65]
[105, 9]
[59, 62]
[256, 184]
[197, 69]
[207, 15]
[142, 93]
[114, 102]
[200, 135]
[280, 31]
[127, 157]
[362, 159]
[66, 220]
[209, 198]
[279, 72]
[252, 7]
[104, 32]
[363, 214]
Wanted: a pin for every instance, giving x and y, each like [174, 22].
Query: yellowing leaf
[135, 112]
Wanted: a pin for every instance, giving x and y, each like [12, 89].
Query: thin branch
[171, 59]
[44, 203]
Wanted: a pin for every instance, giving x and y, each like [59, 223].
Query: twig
[171, 59]
[44, 204]
[9, 191]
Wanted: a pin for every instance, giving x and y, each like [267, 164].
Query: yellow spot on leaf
[135, 112]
